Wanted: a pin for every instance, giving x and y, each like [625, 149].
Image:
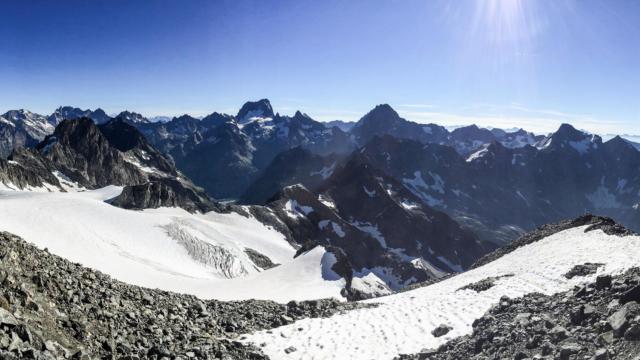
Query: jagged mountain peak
[300, 114]
[383, 119]
[132, 117]
[100, 112]
[301, 117]
[66, 108]
[123, 135]
[255, 109]
[22, 128]
[567, 135]
[567, 131]
[20, 114]
[618, 144]
[617, 140]
[215, 119]
[82, 130]
[473, 132]
[382, 112]
[71, 112]
[185, 118]
[126, 138]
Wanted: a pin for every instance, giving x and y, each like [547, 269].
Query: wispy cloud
[513, 115]
[418, 106]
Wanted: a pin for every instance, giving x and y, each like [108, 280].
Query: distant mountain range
[373, 257]
[403, 201]
[247, 142]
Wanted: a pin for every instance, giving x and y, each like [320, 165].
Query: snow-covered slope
[403, 322]
[168, 248]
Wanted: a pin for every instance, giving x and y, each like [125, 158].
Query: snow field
[166, 248]
[403, 322]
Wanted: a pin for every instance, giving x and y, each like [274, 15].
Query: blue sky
[528, 63]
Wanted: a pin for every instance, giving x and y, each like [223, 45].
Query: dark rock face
[252, 109]
[51, 308]
[295, 166]
[215, 119]
[442, 179]
[243, 146]
[589, 323]
[284, 132]
[470, 138]
[384, 120]
[128, 139]
[175, 138]
[375, 222]
[222, 163]
[301, 212]
[255, 137]
[21, 129]
[260, 259]
[164, 192]
[93, 156]
[26, 168]
[165, 186]
[82, 152]
[499, 192]
[365, 195]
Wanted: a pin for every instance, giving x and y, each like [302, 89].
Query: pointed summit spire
[255, 109]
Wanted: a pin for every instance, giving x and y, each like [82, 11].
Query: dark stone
[441, 330]
[259, 259]
[619, 321]
[632, 294]
[603, 281]
[582, 270]
[633, 333]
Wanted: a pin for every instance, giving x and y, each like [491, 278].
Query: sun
[506, 20]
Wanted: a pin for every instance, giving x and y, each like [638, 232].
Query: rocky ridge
[377, 224]
[51, 308]
[80, 154]
[599, 321]
[608, 225]
[20, 129]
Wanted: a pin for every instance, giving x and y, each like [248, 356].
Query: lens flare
[506, 22]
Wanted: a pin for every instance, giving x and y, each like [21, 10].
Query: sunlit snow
[403, 322]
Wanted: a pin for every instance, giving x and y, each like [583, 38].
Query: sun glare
[505, 20]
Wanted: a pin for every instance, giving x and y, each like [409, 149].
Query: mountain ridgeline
[82, 155]
[404, 201]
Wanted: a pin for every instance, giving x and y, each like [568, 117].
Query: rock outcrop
[51, 308]
[598, 321]
[165, 192]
